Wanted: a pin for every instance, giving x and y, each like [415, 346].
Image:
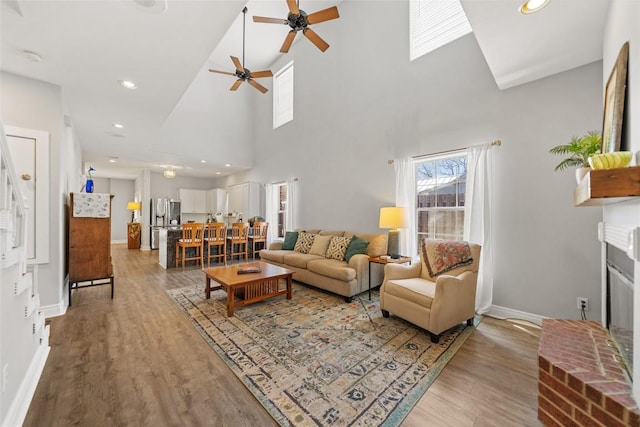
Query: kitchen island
[169, 236]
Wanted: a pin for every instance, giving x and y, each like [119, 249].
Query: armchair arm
[360, 263]
[454, 300]
[400, 271]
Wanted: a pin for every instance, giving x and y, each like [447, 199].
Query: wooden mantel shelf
[602, 187]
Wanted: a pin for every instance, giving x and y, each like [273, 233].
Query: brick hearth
[580, 383]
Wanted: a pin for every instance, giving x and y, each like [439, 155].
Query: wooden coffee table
[244, 289]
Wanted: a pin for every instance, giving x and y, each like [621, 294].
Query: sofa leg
[434, 338]
[470, 321]
[385, 313]
[348, 299]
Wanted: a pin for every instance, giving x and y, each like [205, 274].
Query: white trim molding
[508, 313]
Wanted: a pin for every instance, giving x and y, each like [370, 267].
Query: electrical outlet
[583, 302]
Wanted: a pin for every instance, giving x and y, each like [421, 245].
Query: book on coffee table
[249, 270]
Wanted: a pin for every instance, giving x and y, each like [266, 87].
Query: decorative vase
[88, 187]
[580, 173]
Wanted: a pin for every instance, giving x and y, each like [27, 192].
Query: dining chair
[215, 236]
[258, 235]
[192, 237]
[238, 240]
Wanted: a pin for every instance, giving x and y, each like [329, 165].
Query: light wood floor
[136, 360]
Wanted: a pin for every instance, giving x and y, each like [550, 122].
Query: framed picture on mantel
[614, 96]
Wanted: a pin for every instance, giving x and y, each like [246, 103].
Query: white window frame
[435, 23]
[279, 188]
[283, 96]
[458, 208]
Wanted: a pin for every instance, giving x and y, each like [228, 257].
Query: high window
[283, 96]
[440, 196]
[434, 23]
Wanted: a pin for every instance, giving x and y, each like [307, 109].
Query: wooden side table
[133, 234]
[378, 260]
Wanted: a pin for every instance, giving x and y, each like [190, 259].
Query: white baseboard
[18, 410]
[119, 241]
[53, 310]
[509, 313]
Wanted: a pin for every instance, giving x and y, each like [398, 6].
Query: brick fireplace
[581, 382]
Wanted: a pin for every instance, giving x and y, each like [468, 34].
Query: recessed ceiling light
[217, 173]
[118, 125]
[531, 6]
[127, 84]
[112, 160]
[155, 7]
[203, 161]
[32, 56]
[227, 165]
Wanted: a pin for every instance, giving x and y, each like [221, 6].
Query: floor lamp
[393, 218]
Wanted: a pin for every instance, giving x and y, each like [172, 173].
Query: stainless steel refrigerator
[165, 212]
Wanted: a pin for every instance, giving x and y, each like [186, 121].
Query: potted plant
[579, 150]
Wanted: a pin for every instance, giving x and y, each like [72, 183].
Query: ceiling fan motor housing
[298, 22]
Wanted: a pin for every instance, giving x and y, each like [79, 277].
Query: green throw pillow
[290, 239]
[356, 246]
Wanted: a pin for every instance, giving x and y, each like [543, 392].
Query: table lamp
[393, 218]
[133, 207]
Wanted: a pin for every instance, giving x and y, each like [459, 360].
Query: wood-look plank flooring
[136, 360]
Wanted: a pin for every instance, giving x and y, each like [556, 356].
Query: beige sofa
[339, 277]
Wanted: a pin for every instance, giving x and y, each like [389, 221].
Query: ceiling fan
[244, 74]
[299, 20]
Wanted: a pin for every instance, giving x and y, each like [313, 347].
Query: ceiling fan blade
[315, 39]
[270, 20]
[222, 72]
[236, 84]
[287, 41]
[258, 86]
[323, 15]
[293, 7]
[237, 63]
[258, 74]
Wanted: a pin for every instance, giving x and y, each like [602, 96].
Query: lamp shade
[393, 217]
[134, 206]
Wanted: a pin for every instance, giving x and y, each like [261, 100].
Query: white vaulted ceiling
[182, 114]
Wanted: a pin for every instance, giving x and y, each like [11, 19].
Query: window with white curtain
[434, 23]
[283, 96]
[281, 191]
[440, 196]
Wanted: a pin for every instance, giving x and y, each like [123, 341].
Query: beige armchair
[433, 303]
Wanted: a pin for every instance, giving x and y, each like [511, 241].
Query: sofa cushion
[415, 289]
[332, 233]
[320, 245]
[274, 255]
[337, 247]
[304, 242]
[377, 242]
[297, 259]
[290, 239]
[332, 268]
[356, 246]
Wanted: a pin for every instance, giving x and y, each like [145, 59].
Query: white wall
[362, 102]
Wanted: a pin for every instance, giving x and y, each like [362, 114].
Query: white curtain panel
[291, 220]
[270, 216]
[477, 219]
[406, 197]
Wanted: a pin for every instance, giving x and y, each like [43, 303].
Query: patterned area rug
[317, 361]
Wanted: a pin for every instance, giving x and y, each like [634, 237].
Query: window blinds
[434, 23]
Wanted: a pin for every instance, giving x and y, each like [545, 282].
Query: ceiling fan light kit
[299, 20]
[244, 74]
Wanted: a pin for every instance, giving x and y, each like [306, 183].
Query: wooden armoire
[90, 241]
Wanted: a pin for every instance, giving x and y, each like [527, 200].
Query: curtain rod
[495, 143]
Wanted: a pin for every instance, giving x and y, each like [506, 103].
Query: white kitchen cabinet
[247, 198]
[216, 200]
[192, 201]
